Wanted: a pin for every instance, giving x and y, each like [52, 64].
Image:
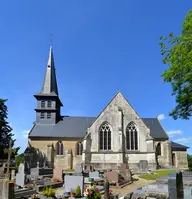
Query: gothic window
[49, 104]
[42, 115]
[105, 137]
[79, 148]
[158, 149]
[59, 148]
[48, 115]
[43, 104]
[132, 137]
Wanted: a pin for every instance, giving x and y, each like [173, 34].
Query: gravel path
[132, 187]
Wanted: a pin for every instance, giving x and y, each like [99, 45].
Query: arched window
[79, 148]
[59, 148]
[158, 149]
[105, 137]
[132, 137]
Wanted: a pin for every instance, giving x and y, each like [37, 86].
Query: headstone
[71, 183]
[58, 173]
[1, 187]
[2, 169]
[175, 185]
[13, 174]
[78, 168]
[112, 176]
[44, 164]
[6, 189]
[21, 177]
[143, 165]
[94, 174]
[37, 164]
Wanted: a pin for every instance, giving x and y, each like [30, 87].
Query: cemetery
[41, 182]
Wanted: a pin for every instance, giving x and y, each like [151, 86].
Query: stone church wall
[181, 159]
[118, 114]
[133, 161]
[165, 159]
[66, 161]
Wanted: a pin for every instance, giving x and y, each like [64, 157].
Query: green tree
[177, 54]
[19, 159]
[189, 158]
[5, 131]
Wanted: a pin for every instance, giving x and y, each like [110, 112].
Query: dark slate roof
[77, 127]
[178, 146]
[67, 127]
[156, 130]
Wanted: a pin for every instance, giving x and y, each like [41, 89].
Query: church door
[173, 160]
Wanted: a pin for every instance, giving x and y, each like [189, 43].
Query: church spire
[50, 82]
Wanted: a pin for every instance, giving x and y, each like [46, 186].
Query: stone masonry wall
[62, 160]
[112, 115]
[165, 159]
[181, 159]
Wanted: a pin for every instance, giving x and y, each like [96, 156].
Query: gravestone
[6, 189]
[2, 169]
[21, 177]
[71, 183]
[78, 169]
[1, 187]
[13, 174]
[175, 185]
[143, 166]
[94, 174]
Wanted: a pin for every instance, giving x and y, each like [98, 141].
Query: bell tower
[48, 102]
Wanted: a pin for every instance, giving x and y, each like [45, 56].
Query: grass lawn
[157, 174]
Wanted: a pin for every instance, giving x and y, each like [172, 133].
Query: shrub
[78, 192]
[49, 192]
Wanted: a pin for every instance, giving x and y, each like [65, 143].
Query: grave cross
[9, 151]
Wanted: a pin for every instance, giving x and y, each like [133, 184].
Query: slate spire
[50, 81]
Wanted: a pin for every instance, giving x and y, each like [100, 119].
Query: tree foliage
[19, 159]
[189, 158]
[177, 54]
[5, 131]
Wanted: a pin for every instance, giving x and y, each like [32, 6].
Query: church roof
[67, 127]
[71, 126]
[178, 146]
[156, 130]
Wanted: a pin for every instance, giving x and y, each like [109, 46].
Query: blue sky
[100, 47]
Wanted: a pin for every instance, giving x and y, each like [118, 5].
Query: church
[118, 135]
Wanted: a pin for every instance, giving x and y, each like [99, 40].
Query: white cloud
[174, 133]
[184, 140]
[161, 116]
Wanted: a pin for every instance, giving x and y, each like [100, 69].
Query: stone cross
[9, 151]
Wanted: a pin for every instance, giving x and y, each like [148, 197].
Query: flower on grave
[92, 193]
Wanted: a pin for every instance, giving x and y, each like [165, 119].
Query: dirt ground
[131, 187]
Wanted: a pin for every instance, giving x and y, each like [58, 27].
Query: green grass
[157, 174]
[68, 170]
